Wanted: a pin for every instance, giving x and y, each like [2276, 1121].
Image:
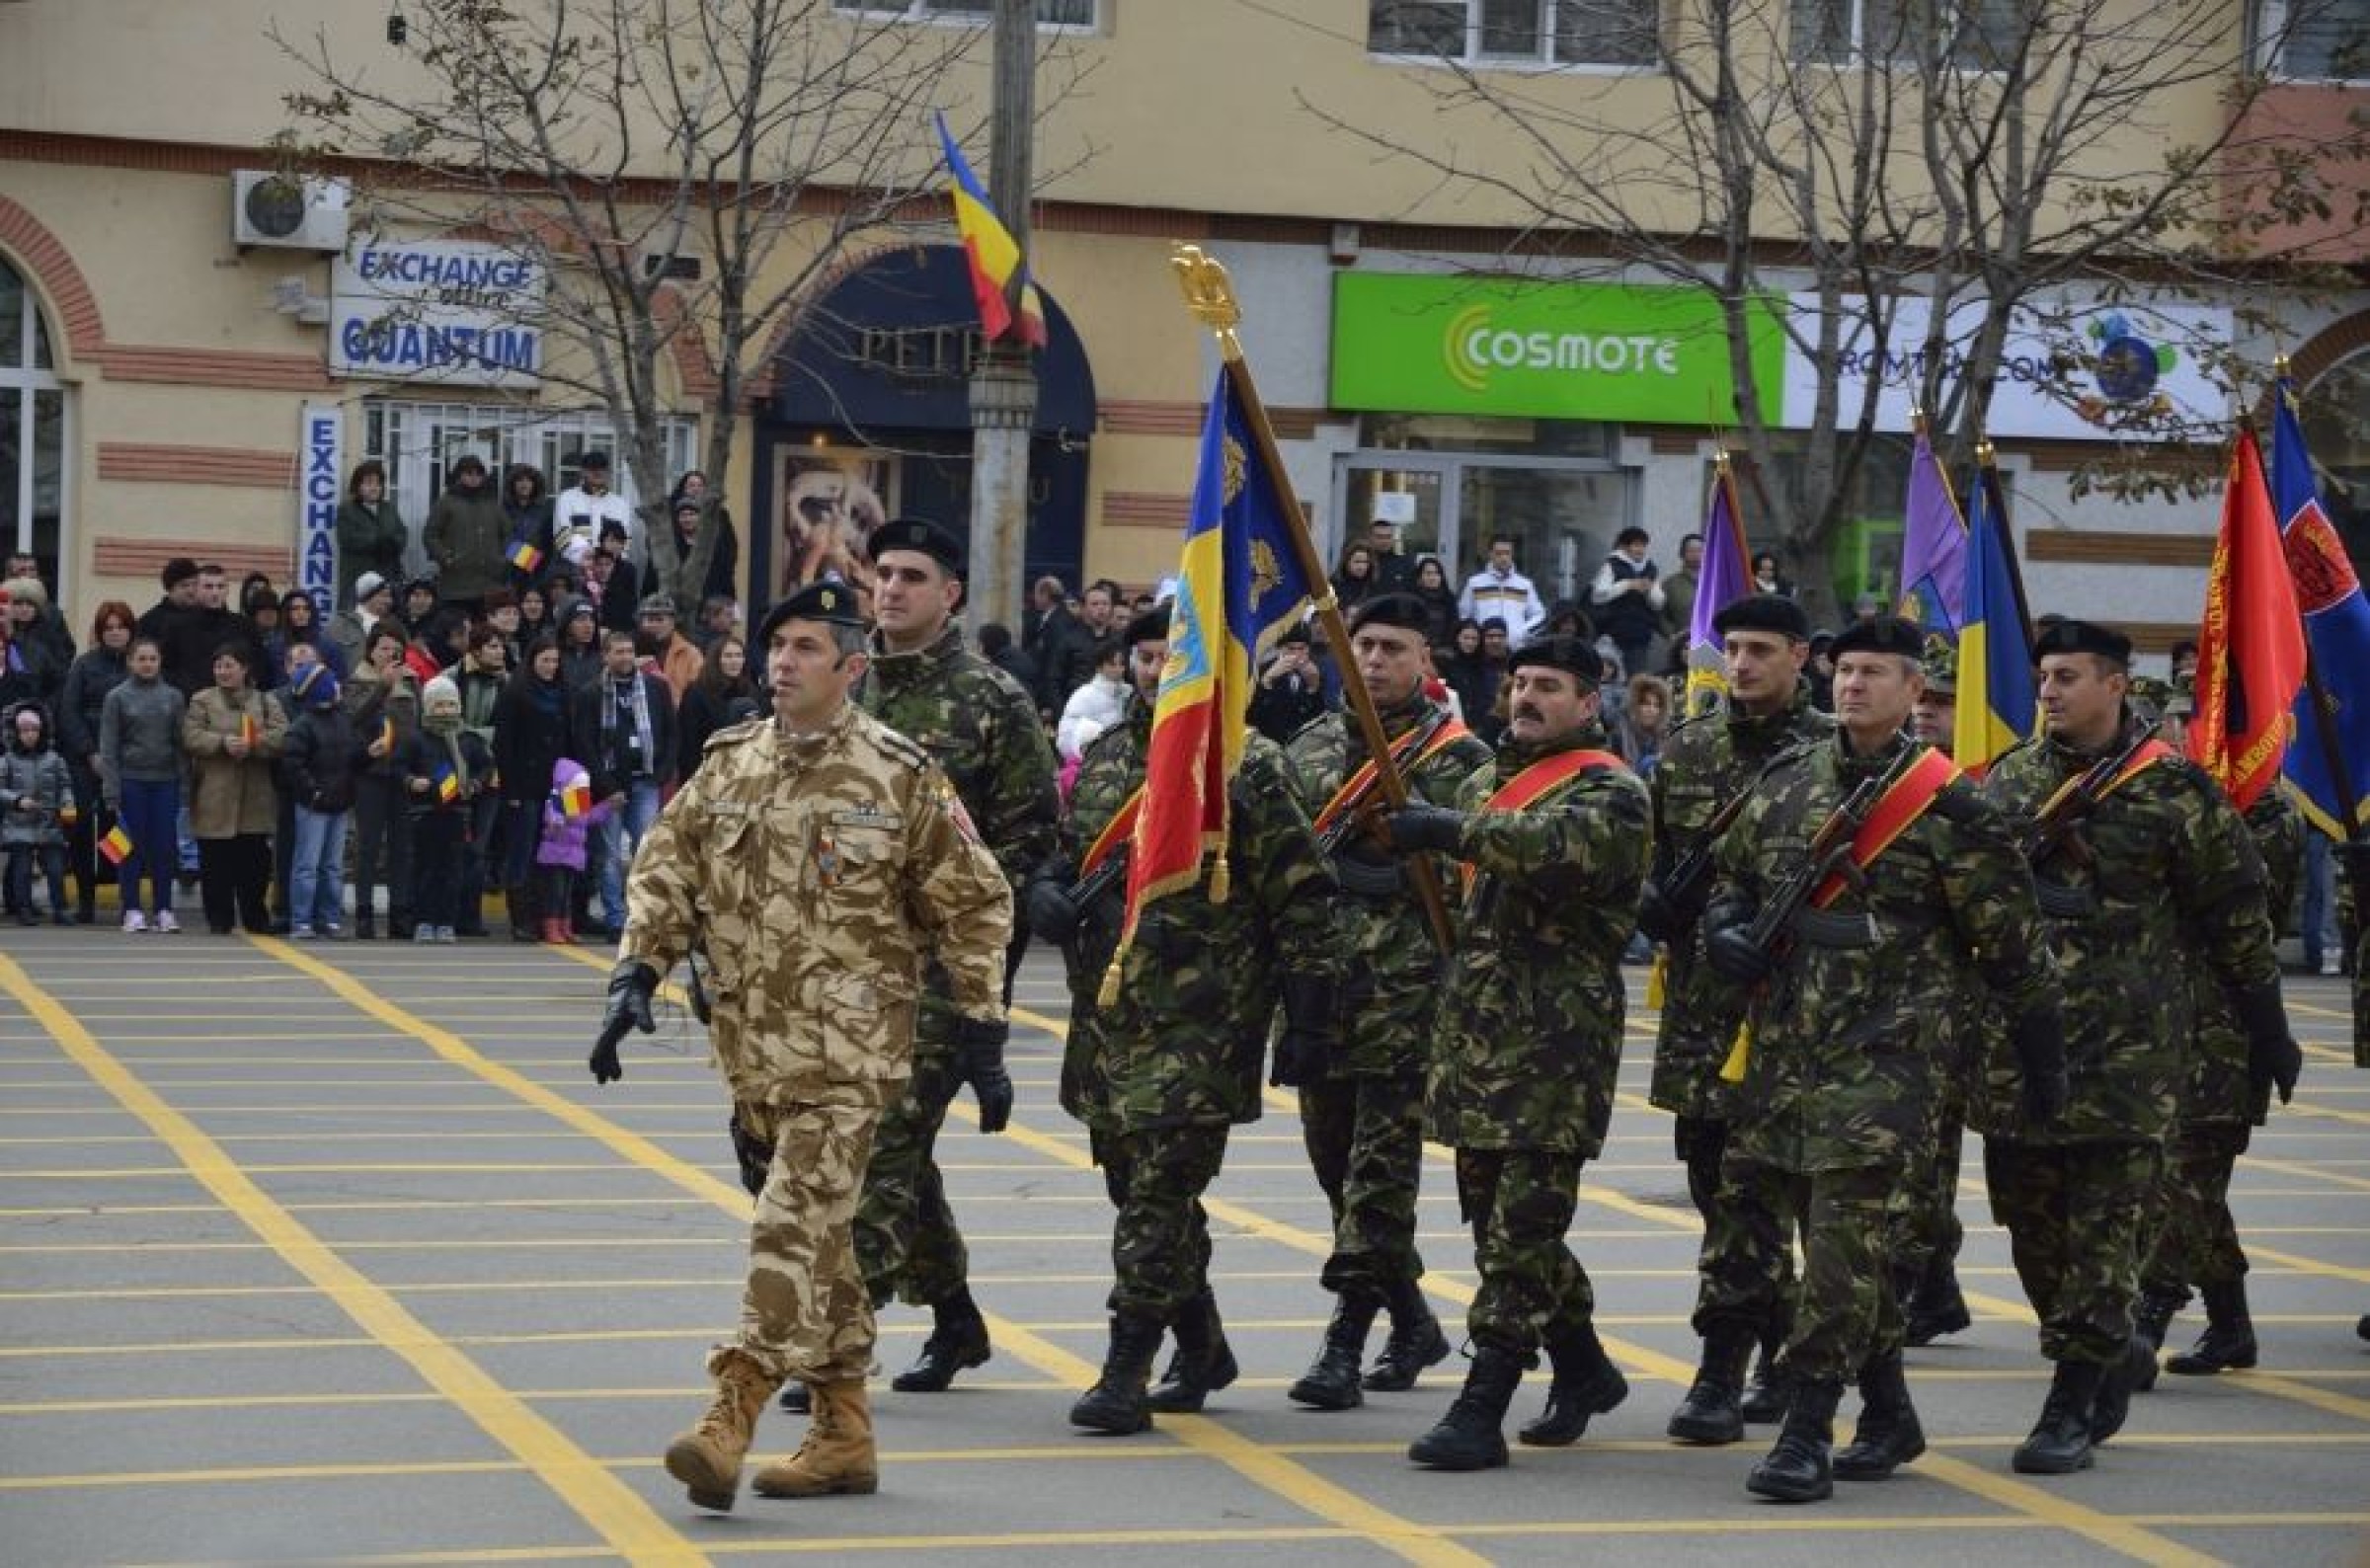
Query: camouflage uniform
[814, 962]
[1708, 762]
[1846, 1057]
[1528, 1038]
[2176, 876]
[981, 728]
[2190, 1237]
[1362, 1119]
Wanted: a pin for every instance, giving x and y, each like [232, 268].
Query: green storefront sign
[1435, 344]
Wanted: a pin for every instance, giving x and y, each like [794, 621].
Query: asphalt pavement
[336, 1254]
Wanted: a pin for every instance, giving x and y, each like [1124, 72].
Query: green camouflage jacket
[1707, 760]
[1389, 959]
[1186, 1040]
[2218, 1089]
[2176, 879]
[1528, 1038]
[1847, 1050]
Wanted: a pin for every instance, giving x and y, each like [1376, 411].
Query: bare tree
[622, 144]
[1992, 158]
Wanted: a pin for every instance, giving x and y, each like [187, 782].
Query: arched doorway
[871, 419]
[33, 430]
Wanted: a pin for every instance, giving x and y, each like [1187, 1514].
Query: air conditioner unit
[287, 213]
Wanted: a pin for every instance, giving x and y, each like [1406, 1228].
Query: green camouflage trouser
[1742, 1276]
[805, 1314]
[1160, 1239]
[1843, 1310]
[2190, 1238]
[1519, 1204]
[906, 1239]
[1364, 1136]
[2074, 1214]
[1924, 1230]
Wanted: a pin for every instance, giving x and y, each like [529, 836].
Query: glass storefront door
[1561, 512]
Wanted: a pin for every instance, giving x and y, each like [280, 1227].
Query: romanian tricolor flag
[525, 556]
[1727, 577]
[1239, 586]
[447, 783]
[115, 847]
[1997, 703]
[249, 730]
[576, 799]
[2337, 631]
[386, 733]
[995, 259]
[2250, 644]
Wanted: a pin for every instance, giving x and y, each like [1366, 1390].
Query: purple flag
[1933, 547]
[1728, 578]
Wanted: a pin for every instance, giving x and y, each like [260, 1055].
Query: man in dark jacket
[623, 726]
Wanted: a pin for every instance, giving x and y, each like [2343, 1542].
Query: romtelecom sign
[445, 311]
[1433, 343]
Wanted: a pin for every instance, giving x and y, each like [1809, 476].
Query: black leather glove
[2273, 1058]
[1657, 916]
[1311, 1031]
[1053, 915]
[753, 1154]
[980, 1059]
[1417, 827]
[632, 984]
[2039, 1037]
[1728, 945]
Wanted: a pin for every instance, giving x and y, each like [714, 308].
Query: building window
[1067, 14]
[2315, 40]
[1970, 35]
[33, 430]
[1620, 33]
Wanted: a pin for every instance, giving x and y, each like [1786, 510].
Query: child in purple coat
[560, 857]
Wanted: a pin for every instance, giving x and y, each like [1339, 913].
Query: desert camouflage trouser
[1365, 1136]
[1741, 1278]
[2189, 1238]
[906, 1239]
[1519, 1204]
[1844, 1309]
[1161, 1236]
[2074, 1214]
[805, 1314]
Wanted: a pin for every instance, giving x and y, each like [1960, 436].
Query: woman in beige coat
[232, 736]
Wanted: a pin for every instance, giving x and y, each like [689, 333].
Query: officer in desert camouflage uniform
[816, 859]
[1177, 1052]
[1709, 763]
[1528, 1037]
[1361, 1119]
[2159, 873]
[1843, 1053]
[2190, 1238]
[981, 728]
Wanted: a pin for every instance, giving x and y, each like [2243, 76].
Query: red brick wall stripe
[196, 465]
[114, 555]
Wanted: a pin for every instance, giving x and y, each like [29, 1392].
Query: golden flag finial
[1984, 452]
[1208, 291]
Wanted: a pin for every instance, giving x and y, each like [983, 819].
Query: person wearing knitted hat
[444, 768]
[319, 764]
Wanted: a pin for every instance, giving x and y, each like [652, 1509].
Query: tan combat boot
[707, 1458]
[837, 1455]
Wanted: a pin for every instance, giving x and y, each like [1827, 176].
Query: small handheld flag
[448, 784]
[386, 733]
[525, 556]
[576, 799]
[116, 847]
[995, 259]
[249, 730]
[68, 813]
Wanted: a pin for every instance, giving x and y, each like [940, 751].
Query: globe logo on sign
[2127, 367]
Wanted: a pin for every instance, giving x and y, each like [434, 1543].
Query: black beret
[920, 534]
[1764, 612]
[1574, 655]
[833, 602]
[1150, 627]
[1886, 634]
[1403, 610]
[2083, 637]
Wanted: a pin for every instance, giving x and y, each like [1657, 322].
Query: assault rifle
[1351, 815]
[1687, 886]
[2053, 826]
[1829, 852]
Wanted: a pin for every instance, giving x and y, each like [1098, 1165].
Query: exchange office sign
[446, 311]
[1433, 343]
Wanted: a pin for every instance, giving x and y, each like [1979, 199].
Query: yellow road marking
[2286, 1168]
[615, 1512]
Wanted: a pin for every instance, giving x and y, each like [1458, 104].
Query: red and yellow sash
[2146, 757]
[1363, 780]
[1115, 832]
[1540, 780]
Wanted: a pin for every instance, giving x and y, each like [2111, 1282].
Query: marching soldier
[1528, 1038]
[981, 728]
[816, 859]
[1863, 865]
[1705, 773]
[1173, 1061]
[2140, 864]
[1361, 1117]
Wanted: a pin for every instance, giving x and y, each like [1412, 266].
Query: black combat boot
[1764, 1401]
[1709, 1413]
[1331, 1381]
[1586, 1383]
[1935, 1306]
[958, 1339]
[1117, 1403]
[1797, 1470]
[2112, 1406]
[1203, 1364]
[2229, 1337]
[1415, 1342]
[1888, 1436]
[2150, 1317]
[1471, 1435]
[2060, 1441]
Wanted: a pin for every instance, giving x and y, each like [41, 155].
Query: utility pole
[1003, 387]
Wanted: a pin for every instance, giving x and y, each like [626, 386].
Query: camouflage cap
[2151, 696]
[832, 603]
[1942, 666]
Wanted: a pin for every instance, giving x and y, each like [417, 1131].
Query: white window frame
[31, 380]
[2271, 18]
[929, 13]
[1474, 57]
[1856, 56]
